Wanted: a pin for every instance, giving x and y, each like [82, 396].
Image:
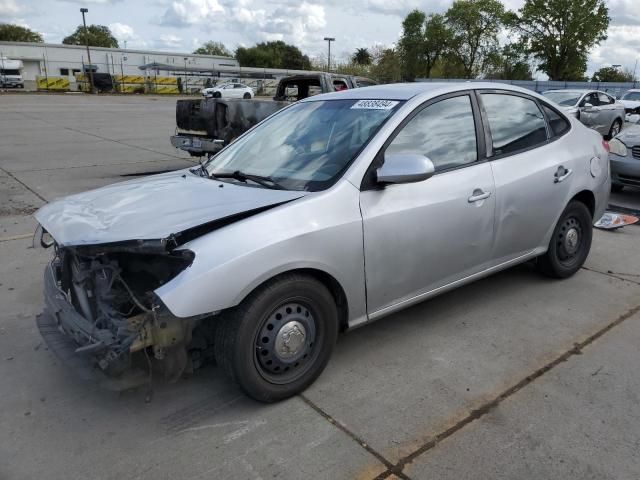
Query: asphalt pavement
[516, 376]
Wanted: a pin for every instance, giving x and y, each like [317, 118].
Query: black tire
[616, 127]
[217, 95]
[246, 96]
[247, 333]
[567, 254]
[616, 187]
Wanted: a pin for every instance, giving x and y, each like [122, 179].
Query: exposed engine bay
[118, 320]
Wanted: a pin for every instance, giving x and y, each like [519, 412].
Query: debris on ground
[613, 221]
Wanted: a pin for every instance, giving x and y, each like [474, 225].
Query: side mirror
[587, 106]
[404, 168]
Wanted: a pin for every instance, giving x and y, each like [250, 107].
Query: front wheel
[616, 126]
[279, 339]
[570, 243]
[217, 95]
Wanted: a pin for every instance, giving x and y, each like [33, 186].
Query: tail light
[605, 144]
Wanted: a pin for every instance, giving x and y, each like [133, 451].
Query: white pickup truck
[11, 73]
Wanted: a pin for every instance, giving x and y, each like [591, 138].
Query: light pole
[329, 40]
[186, 80]
[86, 41]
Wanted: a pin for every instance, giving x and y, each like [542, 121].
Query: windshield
[632, 96]
[566, 99]
[306, 146]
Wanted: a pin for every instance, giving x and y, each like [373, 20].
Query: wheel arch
[328, 280]
[588, 198]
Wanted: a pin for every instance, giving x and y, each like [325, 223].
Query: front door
[422, 236]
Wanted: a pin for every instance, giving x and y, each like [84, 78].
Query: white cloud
[9, 8]
[622, 47]
[93, 2]
[122, 31]
[183, 13]
[169, 41]
[293, 22]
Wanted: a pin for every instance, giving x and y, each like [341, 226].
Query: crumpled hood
[630, 103]
[630, 136]
[151, 208]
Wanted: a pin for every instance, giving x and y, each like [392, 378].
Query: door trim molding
[383, 312]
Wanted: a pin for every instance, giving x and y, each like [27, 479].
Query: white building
[57, 60]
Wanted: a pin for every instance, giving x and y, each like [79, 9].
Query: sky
[183, 25]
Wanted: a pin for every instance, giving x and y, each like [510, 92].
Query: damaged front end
[100, 305]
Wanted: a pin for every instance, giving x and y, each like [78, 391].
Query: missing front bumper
[100, 355]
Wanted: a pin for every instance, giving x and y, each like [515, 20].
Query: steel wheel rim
[285, 344]
[569, 241]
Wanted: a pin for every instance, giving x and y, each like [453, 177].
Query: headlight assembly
[617, 147]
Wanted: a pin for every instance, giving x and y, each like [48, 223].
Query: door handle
[478, 195]
[562, 174]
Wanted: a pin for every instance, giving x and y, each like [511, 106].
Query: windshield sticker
[374, 105]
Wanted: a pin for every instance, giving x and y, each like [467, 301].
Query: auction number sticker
[374, 105]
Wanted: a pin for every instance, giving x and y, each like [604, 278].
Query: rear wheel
[570, 243]
[280, 338]
[246, 96]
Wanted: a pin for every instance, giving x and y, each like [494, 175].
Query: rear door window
[516, 123]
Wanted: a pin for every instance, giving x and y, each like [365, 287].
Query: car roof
[405, 91]
[571, 90]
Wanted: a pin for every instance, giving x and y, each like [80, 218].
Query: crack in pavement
[97, 136]
[391, 468]
[615, 275]
[491, 405]
[11, 175]
[101, 165]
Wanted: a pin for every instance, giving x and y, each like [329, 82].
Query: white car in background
[228, 90]
[631, 101]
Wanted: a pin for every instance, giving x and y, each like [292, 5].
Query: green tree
[560, 33]
[475, 25]
[96, 35]
[438, 40]
[387, 66]
[612, 74]
[411, 45]
[510, 63]
[361, 57]
[448, 66]
[273, 55]
[16, 33]
[213, 48]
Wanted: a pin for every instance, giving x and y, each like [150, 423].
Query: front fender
[322, 231]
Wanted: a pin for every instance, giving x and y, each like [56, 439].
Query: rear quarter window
[557, 124]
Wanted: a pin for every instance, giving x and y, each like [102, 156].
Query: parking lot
[514, 376]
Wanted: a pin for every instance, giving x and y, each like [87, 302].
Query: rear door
[532, 167]
[424, 235]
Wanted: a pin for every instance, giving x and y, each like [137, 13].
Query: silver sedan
[597, 110]
[332, 213]
[624, 158]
